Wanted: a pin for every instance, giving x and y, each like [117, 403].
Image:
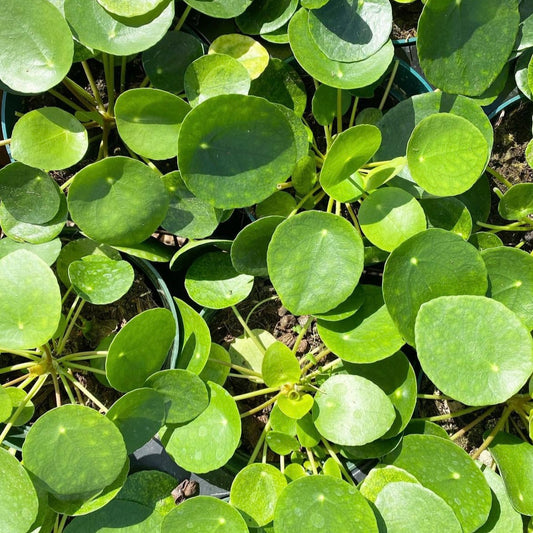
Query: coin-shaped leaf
[281, 443]
[350, 75]
[454, 62]
[380, 476]
[517, 202]
[165, 62]
[16, 398]
[209, 441]
[324, 104]
[430, 264]
[29, 194]
[351, 410]
[134, 8]
[266, 16]
[136, 352]
[42, 61]
[444, 468]
[446, 154]
[211, 281]
[244, 351]
[350, 30]
[30, 301]
[94, 27]
[220, 10]
[184, 394]
[499, 358]
[301, 269]
[48, 251]
[255, 133]
[49, 138]
[390, 216]
[323, 502]
[149, 120]
[295, 405]
[20, 502]
[280, 365]
[205, 514]
[511, 280]
[348, 153]
[448, 213]
[118, 200]
[88, 451]
[255, 491]
[217, 367]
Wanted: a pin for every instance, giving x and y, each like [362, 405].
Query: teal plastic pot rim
[510, 102]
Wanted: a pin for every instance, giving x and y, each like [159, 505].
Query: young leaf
[330, 243]
[352, 411]
[6, 406]
[499, 357]
[213, 370]
[449, 214]
[16, 397]
[517, 202]
[295, 406]
[192, 445]
[221, 10]
[244, 351]
[266, 16]
[132, 358]
[205, 514]
[324, 104]
[255, 492]
[380, 476]
[281, 423]
[332, 503]
[134, 8]
[280, 366]
[149, 120]
[280, 203]
[49, 138]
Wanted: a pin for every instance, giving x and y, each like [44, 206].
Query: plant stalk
[389, 84]
[497, 428]
[472, 424]
[259, 443]
[249, 332]
[94, 88]
[339, 111]
[447, 416]
[260, 407]
[253, 394]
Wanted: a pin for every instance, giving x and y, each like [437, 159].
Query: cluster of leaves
[404, 192]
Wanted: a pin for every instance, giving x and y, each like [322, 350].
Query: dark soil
[405, 19]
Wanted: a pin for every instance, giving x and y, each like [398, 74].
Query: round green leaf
[279, 36]
[136, 352]
[118, 201]
[213, 369]
[354, 338]
[221, 10]
[249, 249]
[345, 309]
[30, 301]
[211, 281]
[306, 431]
[444, 468]
[165, 62]
[281, 423]
[34, 233]
[280, 366]
[351, 410]
[149, 120]
[30, 195]
[245, 352]
[499, 358]
[396, 377]
[454, 62]
[87, 448]
[514, 458]
[184, 394]
[48, 251]
[77, 249]
[503, 518]
[266, 16]
[293, 471]
[423, 427]
[446, 154]
[188, 216]
[281, 443]
[448, 213]
[193, 249]
[280, 203]
[6, 406]
[94, 27]
[323, 503]
[324, 104]
[432, 263]
[350, 30]
[350, 75]
[49, 138]
[281, 84]
[517, 202]
[483, 240]
[380, 476]
[139, 415]
[409, 506]
[348, 153]
[389, 216]
[207, 442]
[213, 75]
[16, 398]
[255, 491]
[19, 499]
[255, 133]
[252, 55]
[373, 450]
[295, 406]
[522, 73]
[204, 514]
[130, 9]
[331, 244]
[37, 64]
[511, 280]
[195, 338]
[100, 280]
